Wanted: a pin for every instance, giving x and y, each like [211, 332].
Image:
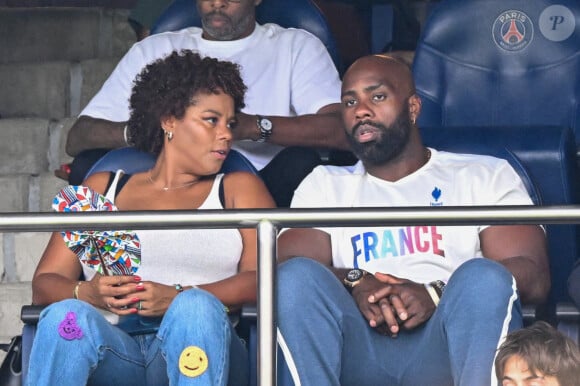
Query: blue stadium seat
[236, 162]
[133, 161]
[500, 63]
[304, 14]
[129, 159]
[507, 63]
[568, 320]
[545, 158]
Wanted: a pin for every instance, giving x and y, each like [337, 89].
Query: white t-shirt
[287, 71]
[418, 253]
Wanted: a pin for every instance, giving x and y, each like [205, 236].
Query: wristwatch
[265, 125]
[353, 278]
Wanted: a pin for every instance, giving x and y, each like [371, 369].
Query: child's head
[538, 355]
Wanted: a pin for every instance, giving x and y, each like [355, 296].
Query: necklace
[166, 188]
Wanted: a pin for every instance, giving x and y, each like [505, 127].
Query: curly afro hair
[166, 88]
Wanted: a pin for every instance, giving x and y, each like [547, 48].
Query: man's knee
[482, 278]
[485, 270]
[299, 276]
[196, 302]
[300, 270]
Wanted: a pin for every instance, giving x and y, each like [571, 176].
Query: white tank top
[186, 256]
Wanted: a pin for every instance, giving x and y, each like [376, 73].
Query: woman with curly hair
[171, 323]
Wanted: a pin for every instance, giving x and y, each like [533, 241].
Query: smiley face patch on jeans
[193, 361]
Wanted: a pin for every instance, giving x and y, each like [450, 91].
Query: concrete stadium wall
[52, 61]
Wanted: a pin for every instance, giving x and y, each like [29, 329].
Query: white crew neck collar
[228, 44]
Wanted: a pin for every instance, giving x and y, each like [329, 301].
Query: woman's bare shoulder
[98, 181]
[246, 190]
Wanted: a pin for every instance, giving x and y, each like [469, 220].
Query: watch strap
[435, 290]
[439, 287]
[432, 294]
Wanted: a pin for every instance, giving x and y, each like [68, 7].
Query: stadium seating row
[513, 64]
[496, 77]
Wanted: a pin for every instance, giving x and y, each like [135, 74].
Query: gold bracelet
[76, 290]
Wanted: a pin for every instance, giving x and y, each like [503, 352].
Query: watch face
[354, 275]
[266, 124]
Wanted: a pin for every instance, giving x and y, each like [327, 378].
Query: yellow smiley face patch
[192, 361]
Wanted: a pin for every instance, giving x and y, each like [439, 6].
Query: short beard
[226, 34]
[390, 144]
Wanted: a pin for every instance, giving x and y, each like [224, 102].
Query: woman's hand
[118, 294]
[125, 295]
[154, 298]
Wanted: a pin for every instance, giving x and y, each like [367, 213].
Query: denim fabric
[132, 353]
[324, 339]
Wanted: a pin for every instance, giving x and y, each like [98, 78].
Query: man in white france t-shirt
[447, 294]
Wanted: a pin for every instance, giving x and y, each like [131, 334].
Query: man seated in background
[449, 294]
[292, 98]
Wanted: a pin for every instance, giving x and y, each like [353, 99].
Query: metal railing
[269, 221]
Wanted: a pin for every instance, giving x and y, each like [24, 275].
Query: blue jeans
[324, 339]
[94, 352]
